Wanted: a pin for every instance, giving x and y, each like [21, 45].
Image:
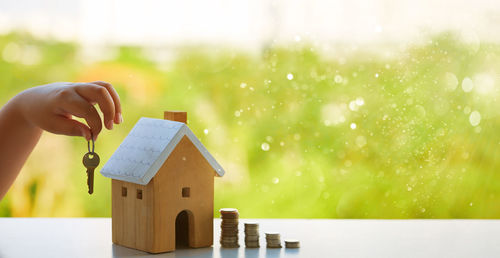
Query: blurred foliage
[400, 132]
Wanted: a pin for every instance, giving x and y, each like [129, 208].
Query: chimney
[179, 116]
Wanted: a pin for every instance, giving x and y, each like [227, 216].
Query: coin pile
[273, 240]
[292, 243]
[229, 228]
[252, 235]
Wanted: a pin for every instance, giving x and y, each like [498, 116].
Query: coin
[228, 210]
[292, 243]
[251, 238]
[229, 228]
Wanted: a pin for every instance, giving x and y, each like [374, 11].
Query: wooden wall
[185, 167]
[148, 224]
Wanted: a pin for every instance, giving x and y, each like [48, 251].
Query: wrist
[17, 111]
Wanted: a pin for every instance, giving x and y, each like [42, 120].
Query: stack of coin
[229, 228]
[273, 240]
[292, 243]
[252, 235]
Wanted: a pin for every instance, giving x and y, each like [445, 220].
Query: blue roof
[147, 147]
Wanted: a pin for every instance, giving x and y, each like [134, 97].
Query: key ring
[93, 143]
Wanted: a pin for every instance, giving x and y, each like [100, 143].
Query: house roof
[147, 147]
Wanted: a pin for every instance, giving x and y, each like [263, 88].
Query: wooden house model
[162, 187]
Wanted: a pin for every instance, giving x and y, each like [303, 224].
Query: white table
[91, 237]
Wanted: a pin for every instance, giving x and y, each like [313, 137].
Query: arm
[51, 108]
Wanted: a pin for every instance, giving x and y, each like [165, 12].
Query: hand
[51, 107]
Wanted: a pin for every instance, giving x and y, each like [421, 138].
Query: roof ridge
[141, 154]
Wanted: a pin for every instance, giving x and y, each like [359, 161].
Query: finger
[118, 119]
[80, 107]
[97, 94]
[70, 127]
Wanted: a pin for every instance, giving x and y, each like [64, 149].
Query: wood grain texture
[179, 116]
[148, 224]
[117, 207]
[132, 223]
[185, 167]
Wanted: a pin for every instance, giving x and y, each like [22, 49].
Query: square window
[139, 194]
[124, 191]
[186, 192]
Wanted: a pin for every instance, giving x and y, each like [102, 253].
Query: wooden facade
[144, 217]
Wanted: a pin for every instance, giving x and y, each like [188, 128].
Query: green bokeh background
[356, 133]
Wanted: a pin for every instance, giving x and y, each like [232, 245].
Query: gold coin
[228, 210]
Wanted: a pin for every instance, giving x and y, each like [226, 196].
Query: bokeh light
[310, 119]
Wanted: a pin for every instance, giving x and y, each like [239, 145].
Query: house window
[124, 191]
[186, 192]
[139, 194]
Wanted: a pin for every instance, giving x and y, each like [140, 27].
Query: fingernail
[120, 118]
[110, 124]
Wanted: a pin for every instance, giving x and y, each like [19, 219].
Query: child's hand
[52, 106]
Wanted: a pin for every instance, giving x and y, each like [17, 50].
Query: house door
[183, 228]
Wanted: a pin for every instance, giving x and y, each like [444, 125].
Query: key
[90, 161]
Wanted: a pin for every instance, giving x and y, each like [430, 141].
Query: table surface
[91, 237]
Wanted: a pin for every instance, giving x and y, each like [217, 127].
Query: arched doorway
[183, 229]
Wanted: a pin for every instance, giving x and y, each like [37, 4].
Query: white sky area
[247, 23]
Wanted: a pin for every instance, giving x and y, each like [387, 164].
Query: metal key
[91, 161]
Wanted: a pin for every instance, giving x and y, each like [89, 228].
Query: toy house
[162, 187]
